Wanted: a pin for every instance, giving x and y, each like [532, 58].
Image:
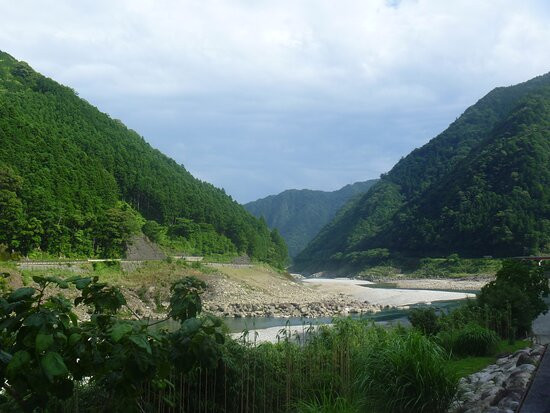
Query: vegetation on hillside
[300, 214]
[75, 182]
[479, 188]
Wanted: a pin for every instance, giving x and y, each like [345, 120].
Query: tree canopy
[74, 181]
[479, 188]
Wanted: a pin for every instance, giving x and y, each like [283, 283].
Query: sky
[260, 96]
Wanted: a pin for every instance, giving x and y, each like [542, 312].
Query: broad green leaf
[53, 365]
[82, 283]
[191, 326]
[141, 342]
[43, 342]
[21, 294]
[61, 337]
[119, 330]
[74, 338]
[40, 280]
[18, 361]
[73, 318]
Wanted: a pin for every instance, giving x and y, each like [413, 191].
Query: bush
[424, 320]
[518, 291]
[470, 340]
[406, 373]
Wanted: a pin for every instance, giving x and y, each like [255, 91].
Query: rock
[524, 368]
[509, 404]
[524, 359]
[499, 387]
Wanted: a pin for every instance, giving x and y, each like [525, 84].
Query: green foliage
[470, 340]
[479, 188]
[455, 266]
[185, 301]
[406, 373]
[424, 320]
[65, 167]
[299, 214]
[154, 231]
[327, 404]
[46, 351]
[464, 366]
[518, 290]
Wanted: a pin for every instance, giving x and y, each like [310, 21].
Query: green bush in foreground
[470, 340]
[425, 320]
[46, 353]
[406, 373]
[518, 290]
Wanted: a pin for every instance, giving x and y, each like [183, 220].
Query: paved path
[541, 327]
[537, 399]
[538, 396]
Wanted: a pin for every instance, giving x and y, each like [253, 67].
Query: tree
[519, 287]
[115, 228]
[12, 218]
[154, 231]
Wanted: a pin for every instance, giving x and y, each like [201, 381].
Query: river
[405, 299]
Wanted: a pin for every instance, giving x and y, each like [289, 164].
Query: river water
[390, 315]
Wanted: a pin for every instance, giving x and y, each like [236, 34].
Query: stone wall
[500, 387]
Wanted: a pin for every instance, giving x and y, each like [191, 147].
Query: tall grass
[351, 367]
[406, 372]
[327, 404]
[470, 340]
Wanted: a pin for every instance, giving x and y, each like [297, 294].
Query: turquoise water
[386, 316]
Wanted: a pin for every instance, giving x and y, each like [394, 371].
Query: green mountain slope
[73, 181]
[479, 188]
[300, 214]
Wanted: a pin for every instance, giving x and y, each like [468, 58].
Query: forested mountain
[73, 181]
[482, 187]
[300, 214]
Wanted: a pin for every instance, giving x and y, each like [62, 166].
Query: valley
[129, 284]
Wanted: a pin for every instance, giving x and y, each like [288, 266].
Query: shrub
[518, 290]
[406, 373]
[425, 320]
[470, 340]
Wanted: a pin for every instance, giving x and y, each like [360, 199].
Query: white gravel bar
[383, 296]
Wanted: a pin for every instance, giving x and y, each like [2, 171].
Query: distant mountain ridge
[75, 182]
[482, 187]
[299, 214]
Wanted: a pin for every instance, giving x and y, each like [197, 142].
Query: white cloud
[214, 74]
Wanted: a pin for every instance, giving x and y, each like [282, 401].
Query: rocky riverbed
[339, 305]
[500, 387]
[262, 295]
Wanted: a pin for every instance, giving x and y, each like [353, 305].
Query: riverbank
[257, 290]
[395, 297]
[463, 284]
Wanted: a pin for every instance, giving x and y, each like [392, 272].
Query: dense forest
[300, 214]
[74, 182]
[482, 187]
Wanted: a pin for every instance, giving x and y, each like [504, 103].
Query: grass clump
[470, 340]
[425, 319]
[406, 373]
[328, 404]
